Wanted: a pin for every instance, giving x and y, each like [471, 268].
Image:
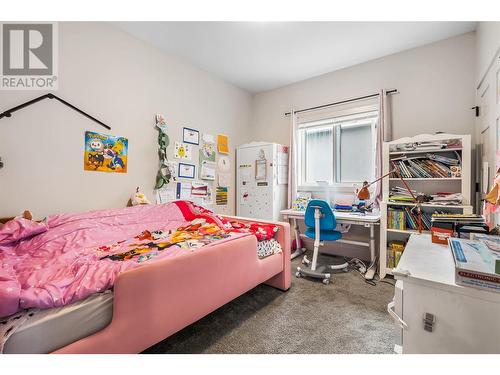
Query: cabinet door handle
[396, 317]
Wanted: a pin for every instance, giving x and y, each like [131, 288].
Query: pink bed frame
[155, 301]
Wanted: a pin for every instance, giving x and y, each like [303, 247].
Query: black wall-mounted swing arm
[8, 113]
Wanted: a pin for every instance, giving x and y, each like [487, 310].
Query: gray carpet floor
[346, 316]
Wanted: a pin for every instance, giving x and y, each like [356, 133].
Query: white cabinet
[433, 314]
[261, 180]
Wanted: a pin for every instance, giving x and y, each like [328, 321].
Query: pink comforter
[55, 263]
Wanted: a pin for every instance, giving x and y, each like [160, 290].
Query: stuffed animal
[138, 198]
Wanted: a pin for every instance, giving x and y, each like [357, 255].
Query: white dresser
[434, 314]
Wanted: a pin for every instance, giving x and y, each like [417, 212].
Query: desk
[368, 221]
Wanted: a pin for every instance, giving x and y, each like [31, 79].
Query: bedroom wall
[436, 85]
[123, 82]
[435, 81]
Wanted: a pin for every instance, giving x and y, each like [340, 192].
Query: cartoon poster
[182, 151]
[105, 153]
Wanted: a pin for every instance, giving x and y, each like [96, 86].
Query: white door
[488, 130]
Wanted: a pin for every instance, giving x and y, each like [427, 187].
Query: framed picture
[186, 170]
[191, 136]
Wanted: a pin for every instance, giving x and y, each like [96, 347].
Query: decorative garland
[164, 174]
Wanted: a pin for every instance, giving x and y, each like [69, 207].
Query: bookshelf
[457, 147]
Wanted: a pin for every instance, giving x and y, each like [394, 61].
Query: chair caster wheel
[304, 260]
[325, 281]
[298, 275]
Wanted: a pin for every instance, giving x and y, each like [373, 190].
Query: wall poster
[105, 153]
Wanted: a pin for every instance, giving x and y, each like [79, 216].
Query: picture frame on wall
[191, 136]
[186, 171]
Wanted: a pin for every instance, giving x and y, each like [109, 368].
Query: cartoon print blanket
[69, 257]
[262, 231]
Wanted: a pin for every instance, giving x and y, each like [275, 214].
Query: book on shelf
[450, 199]
[427, 166]
[450, 144]
[396, 219]
[407, 218]
[456, 218]
[399, 194]
[395, 250]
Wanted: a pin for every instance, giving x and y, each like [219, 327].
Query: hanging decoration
[165, 173]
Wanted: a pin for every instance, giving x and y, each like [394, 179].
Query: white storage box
[476, 265]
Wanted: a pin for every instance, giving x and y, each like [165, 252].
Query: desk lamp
[364, 193]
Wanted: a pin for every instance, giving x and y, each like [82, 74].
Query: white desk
[368, 221]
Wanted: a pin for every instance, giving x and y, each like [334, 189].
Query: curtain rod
[8, 113]
[393, 91]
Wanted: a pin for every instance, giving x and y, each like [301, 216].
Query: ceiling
[260, 56]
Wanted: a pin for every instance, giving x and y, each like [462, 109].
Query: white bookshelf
[425, 185]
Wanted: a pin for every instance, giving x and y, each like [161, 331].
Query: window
[337, 150]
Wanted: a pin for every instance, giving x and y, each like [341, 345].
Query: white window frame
[333, 118]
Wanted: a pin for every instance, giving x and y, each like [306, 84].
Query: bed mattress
[51, 329]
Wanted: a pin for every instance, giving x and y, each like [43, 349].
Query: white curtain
[292, 159]
[384, 134]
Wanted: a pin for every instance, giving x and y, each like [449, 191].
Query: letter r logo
[27, 49]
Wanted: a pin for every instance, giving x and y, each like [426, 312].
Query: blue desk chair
[320, 222]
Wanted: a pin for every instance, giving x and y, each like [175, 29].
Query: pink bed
[153, 299]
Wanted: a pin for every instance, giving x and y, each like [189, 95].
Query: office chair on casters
[320, 222]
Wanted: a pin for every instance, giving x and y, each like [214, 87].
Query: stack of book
[427, 146]
[395, 250]
[401, 195]
[457, 218]
[449, 199]
[396, 219]
[428, 166]
[342, 208]
[445, 226]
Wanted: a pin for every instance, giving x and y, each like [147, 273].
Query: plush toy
[492, 201]
[138, 198]
[25, 215]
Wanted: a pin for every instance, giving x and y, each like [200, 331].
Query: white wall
[488, 43]
[123, 82]
[436, 84]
